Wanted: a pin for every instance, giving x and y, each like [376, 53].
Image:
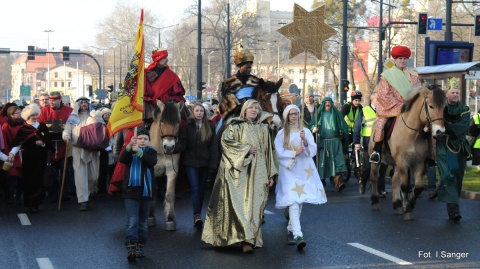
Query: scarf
[136, 175]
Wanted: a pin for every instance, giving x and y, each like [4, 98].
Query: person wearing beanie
[107, 164]
[55, 116]
[34, 139]
[139, 159]
[161, 83]
[394, 85]
[85, 161]
[351, 110]
[332, 142]
[295, 149]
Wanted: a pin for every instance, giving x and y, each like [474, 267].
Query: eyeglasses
[293, 114]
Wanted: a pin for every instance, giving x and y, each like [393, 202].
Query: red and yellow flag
[127, 111]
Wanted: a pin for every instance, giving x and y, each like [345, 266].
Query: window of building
[63, 84]
[70, 74]
[55, 74]
[69, 84]
[55, 84]
[291, 71]
[314, 71]
[315, 80]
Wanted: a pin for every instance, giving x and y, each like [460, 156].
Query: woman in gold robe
[240, 193]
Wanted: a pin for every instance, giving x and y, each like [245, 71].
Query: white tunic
[298, 179]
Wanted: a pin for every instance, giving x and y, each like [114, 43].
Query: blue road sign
[434, 24]
[190, 97]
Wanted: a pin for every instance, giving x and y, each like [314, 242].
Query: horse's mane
[438, 97]
[170, 114]
[268, 86]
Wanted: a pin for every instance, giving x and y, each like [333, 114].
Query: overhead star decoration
[299, 189]
[308, 31]
[309, 172]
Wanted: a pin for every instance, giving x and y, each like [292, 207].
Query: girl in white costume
[298, 179]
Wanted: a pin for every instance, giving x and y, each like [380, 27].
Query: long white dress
[298, 179]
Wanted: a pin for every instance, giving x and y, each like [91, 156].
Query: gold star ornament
[299, 189]
[308, 31]
[309, 171]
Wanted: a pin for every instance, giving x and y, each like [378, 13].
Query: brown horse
[266, 93]
[422, 116]
[164, 134]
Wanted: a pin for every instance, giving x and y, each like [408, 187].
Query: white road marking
[24, 219]
[268, 212]
[380, 254]
[44, 263]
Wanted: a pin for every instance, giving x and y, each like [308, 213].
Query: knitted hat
[401, 51]
[356, 95]
[141, 130]
[287, 109]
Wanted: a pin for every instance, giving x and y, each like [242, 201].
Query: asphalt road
[344, 233]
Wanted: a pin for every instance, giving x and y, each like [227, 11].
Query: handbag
[93, 137]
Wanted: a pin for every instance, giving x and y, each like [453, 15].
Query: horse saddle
[388, 129]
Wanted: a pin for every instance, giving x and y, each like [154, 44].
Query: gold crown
[243, 55]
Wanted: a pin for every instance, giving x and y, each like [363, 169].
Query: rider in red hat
[394, 85]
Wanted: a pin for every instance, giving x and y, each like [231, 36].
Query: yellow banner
[127, 111]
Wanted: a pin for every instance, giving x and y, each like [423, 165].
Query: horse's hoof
[398, 211]
[375, 207]
[408, 216]
[170, 226]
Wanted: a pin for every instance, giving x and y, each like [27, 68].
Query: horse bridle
[429, 119]
[162, 136]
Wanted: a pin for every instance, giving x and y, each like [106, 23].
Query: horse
[407, 147]
[164, 133]
[266, 92]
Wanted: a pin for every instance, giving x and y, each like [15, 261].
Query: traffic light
[66, 55]
[31, 53]
[477, 25]
[110, 88]
[422, 23]
[90, 90]
[346, 86]
[203, 85]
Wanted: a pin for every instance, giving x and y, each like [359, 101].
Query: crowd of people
[229, 143]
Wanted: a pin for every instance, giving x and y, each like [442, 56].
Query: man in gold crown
[239, 87]
[394, 85]
[160, 83]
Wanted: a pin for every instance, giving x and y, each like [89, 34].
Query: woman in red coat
[10, 128]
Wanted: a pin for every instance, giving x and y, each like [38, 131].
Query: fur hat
[105, 111]
[401, 51]
[287, 109]
[30, 110]
[243, 56]
[141, 130]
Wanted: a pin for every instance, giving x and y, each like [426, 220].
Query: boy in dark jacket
[139, 160]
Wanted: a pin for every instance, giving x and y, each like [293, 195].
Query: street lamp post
[159, 32]
[48, 58]
[209, 84]
[103, 65]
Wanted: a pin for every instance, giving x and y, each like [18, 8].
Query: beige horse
[164, 134]
[407, 148]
